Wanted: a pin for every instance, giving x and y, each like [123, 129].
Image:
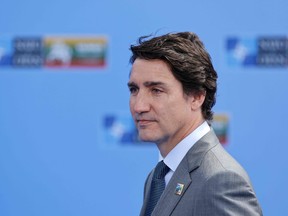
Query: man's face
[160, 109]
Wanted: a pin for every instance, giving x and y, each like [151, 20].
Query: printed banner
[260, 51]
[71, 52]
[53, 52]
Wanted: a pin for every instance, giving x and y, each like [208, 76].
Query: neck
[167, 145]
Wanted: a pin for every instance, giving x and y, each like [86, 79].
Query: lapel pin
[179, 189]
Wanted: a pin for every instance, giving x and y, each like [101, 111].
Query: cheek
[130, 102]
[176, 111]
[130, 106]
[166, 115]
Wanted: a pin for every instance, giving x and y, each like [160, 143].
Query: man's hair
[189, 61]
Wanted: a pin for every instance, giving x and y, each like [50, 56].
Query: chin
[146, 138]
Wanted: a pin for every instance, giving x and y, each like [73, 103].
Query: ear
[196, 101]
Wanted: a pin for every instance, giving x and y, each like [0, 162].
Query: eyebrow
[147, 84]
[153, 83]
[129, 84]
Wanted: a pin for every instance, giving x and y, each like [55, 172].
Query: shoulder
[220, 161]
[228, 193]
[226, 187]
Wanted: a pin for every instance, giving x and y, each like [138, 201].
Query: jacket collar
[181, 176]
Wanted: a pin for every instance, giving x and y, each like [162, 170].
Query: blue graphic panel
[265, 51]
[241, 52]
[66, 148]
[6, 51]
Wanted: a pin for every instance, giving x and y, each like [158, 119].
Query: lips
[144, 122]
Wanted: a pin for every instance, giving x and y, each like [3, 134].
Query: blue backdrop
[60, 151]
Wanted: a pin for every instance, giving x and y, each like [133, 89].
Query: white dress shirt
[175, 156]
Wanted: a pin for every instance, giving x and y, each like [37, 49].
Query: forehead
[151, 70]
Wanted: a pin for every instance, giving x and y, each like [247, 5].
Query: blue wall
[55, 157]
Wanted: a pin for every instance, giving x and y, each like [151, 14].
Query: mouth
[144, 122]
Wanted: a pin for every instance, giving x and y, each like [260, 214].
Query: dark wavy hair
[189, 61]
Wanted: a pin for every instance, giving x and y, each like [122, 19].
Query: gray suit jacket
[214, 184]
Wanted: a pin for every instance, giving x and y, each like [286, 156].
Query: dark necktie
[157, 186]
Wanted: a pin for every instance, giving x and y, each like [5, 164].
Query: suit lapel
[170, 198]
[182, 175]
[147, 189]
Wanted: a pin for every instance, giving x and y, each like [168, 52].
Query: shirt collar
[175, 156]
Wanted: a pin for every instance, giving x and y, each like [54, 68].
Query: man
[172, 91]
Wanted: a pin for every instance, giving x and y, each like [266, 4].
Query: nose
[139, 103]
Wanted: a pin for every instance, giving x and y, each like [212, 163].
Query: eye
[156, 90]
[133, 89]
